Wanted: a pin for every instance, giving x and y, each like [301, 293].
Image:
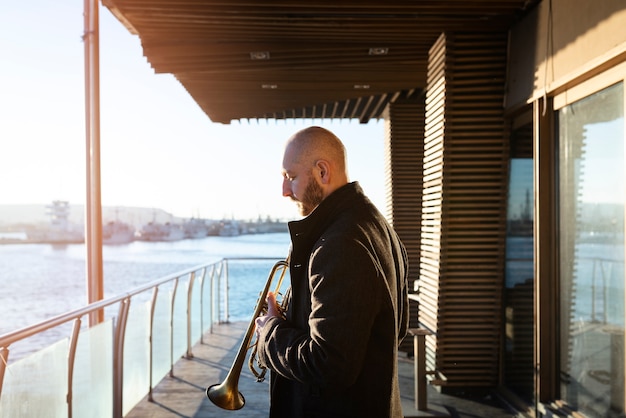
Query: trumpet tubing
[226, 394]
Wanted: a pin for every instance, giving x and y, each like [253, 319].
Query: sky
[158, 149]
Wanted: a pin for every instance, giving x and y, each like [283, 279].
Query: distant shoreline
[11, 241]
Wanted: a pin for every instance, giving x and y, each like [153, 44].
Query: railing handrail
[9, 338]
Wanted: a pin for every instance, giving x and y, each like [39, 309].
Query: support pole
[93, 207]
[419, 367]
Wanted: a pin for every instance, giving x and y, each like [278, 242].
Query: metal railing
[202, 307]
[601, 291]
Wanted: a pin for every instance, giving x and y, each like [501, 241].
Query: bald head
[315, 143]
[315, 159]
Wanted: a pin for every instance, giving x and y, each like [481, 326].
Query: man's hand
[272, 311]
[272, 306]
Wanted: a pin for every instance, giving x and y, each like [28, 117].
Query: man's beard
[313, 196]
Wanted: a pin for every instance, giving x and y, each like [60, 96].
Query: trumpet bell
[225, 397]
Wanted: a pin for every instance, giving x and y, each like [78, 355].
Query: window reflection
[591, 243]
[519, 274]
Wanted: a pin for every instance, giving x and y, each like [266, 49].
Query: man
[335, 353]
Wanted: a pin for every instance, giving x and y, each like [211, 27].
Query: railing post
[202, 282]
[172, 327]
[190, 284]
[118, 358]
[605, 294]
[4, 358]
[217, 294]
[155, 293]
[226, 296]
[71, 357]
[211, 299]
[593, 291]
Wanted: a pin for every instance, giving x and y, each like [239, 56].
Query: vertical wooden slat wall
[464, 209]
[404, 144]
[404, 126]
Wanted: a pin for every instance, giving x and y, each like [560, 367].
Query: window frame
[547, 301]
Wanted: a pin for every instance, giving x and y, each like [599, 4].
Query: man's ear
[323, 169]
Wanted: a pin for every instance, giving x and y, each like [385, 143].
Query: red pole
[93, 207]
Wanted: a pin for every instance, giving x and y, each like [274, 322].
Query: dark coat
[336, 354]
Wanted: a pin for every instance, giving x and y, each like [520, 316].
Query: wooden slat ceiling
[322, 61]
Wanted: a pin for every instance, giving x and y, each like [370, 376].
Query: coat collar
[310, 228]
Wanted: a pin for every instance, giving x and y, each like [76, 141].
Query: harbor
[142, 163]
[122, 226]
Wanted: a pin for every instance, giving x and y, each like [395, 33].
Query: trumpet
[226, 395]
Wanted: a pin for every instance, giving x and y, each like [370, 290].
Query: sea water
[40, 281]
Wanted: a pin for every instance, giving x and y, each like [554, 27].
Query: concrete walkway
[184, 394]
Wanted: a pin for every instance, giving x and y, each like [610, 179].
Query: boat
[117, 232]
[229, 228]
[195, 228]
[153, 231]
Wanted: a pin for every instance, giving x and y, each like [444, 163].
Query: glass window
[519, 273]
[591, 246]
